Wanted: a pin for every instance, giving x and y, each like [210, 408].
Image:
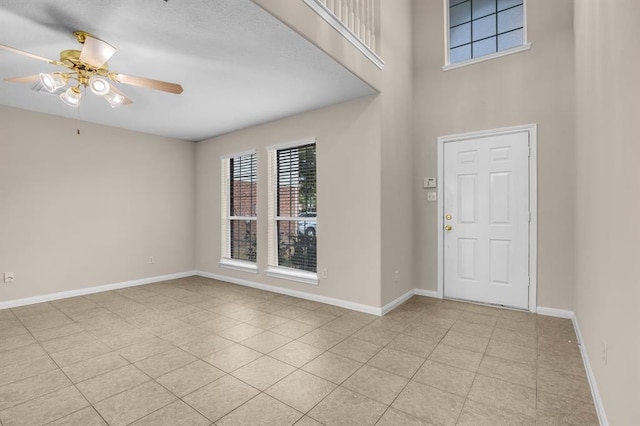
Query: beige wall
[535, 86]
[397, 182]
[607, 287]
[85, 210]
[348, 174]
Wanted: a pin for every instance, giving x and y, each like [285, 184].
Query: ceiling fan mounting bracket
[81, 36]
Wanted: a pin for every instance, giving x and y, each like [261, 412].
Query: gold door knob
[448, 217]
[448, 228]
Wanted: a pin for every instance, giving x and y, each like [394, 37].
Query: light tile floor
[196, 351]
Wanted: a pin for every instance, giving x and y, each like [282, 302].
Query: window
[293, 212]
[239, 219]
[484, 28]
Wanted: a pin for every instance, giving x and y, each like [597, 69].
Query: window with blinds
[483, 27]
[239, 208]
[293, 208]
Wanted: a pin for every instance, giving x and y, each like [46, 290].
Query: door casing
[531, 129]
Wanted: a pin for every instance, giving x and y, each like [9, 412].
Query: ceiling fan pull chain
[78, 120]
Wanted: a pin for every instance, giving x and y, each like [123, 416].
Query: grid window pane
[460, 35]
[296, 198]
[510, 39]
[483, 28]
[484, 47]
[460, 14]
[505, 4]
[480, 8]
[510, 19]
[460, 54]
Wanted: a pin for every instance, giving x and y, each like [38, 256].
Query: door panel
[486, 192]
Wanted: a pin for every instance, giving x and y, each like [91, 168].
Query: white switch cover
[429, 183]
[431, 196]
[9, 277]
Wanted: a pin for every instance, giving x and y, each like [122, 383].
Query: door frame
[532, 130]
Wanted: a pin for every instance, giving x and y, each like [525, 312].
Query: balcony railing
[356, 20]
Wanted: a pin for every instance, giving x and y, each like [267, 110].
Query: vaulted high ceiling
[238, 65]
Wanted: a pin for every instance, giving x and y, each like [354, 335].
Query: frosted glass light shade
[115, 99]
[71, 97]
[99, 86]
[52, 82]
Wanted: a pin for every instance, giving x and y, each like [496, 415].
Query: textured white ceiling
[238, 65]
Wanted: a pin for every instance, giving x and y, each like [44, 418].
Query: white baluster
[374, 26]
[356, 25]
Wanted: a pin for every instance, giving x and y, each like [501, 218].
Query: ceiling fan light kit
[72, 96]
[52, 82]
[99, 86]
[115, 99]
[89, 68]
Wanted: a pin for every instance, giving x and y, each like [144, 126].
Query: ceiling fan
[88, 68]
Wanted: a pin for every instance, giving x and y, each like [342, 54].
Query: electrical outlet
[9, 277]
[324, 274]
[151, 260]
[604, 352]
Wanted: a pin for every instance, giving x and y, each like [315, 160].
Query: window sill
[239, 265]
[293, 275]
[487, 57]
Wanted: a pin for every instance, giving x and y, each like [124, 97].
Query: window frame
[526, 44]
[242, 265]
[273, 268]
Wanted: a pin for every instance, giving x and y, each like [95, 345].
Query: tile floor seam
[341, 384]
[58, 368]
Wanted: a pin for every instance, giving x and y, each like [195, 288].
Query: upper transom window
[480, 28]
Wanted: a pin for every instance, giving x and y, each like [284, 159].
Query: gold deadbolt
[448, 217]
[448, 228]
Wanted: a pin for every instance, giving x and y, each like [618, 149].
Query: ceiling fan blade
[148, 83]
[96, 52]
[27, 79]
[22, 52]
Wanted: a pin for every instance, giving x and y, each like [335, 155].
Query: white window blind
[239, 198]
[293, 208]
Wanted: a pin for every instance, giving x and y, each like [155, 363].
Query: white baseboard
[553, 312]
[399, 301]
[428, 293]
[602, 417]
[295, 293]
[408, 295]
[90, 290]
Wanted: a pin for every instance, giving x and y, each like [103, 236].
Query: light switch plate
[429, 183]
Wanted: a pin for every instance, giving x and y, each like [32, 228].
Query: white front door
[486, 219]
